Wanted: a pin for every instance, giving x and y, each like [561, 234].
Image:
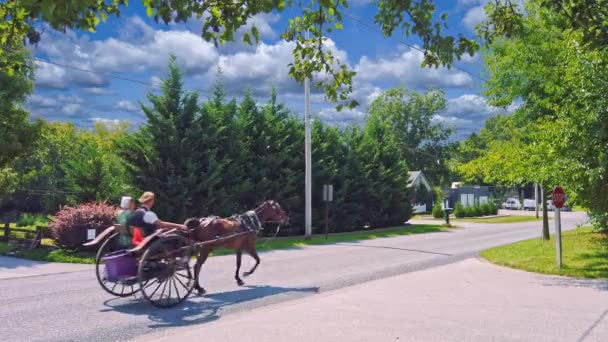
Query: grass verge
[584, 254]
[299, 242]
[59, 255]
[46, 254]
[500, 219]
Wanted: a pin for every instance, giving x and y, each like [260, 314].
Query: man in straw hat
[146, 219]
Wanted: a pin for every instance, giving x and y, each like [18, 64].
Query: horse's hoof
[201, 291]
[240, 282]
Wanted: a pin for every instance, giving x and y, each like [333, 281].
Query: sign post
[328, 196]
[559, 198]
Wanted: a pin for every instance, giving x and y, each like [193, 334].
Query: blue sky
[135, 47]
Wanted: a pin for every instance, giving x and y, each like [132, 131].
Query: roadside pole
[328, 196]
[308, 160]
[536, 198]
[558, 200]
[558, 237]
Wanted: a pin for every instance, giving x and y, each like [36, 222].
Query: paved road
[502, 305]
[72, 307]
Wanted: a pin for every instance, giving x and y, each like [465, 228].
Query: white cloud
[467, 114]
[474, 16]
[405, 69]
[127, 106]
[71, 108]
[140, 49]
[37, 101]
[98, 91]
[343, 118]
[156, 81]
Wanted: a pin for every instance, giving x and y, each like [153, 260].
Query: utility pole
[307, 152]
[536, 198]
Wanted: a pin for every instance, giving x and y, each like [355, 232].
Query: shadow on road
[596, 284]
[197, 310]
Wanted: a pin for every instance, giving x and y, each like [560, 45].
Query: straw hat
[146, 196]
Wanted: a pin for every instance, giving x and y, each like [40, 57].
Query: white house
[417, 179]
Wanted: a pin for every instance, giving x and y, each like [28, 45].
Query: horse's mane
[192, 222]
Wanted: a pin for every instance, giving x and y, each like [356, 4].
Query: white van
[529, 204]
[512, 203]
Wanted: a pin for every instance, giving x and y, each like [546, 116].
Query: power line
[375, 29]
[104, 74]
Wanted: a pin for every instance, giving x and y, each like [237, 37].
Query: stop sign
[559, 197]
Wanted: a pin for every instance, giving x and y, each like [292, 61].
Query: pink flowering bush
[69, 225]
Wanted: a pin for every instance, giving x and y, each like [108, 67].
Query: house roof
[414, 175]
[413, 179]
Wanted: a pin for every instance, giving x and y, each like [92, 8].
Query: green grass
[50, 255]
[500, 219]
[6, 247]
[59, 255]
[584, 254]
[578, 208]
[298, 241]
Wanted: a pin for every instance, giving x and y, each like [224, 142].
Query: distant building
[421, 192]
[468, 195]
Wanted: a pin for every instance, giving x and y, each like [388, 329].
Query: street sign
[328, 193]
[559, 197]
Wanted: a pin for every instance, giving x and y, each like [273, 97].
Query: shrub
[493, 208]
[438, 211]
[27, 219]
[69, 226]
[477, 211]
[468, 212]
[486, 209]
[459, 210]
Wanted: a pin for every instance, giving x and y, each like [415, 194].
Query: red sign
[559, 197]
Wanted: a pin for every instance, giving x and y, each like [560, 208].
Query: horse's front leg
[200, 260]
[254, 254]
[239, 281]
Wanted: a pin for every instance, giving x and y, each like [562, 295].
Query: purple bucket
[120, 265]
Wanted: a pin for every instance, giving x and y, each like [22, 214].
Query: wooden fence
[33, 235]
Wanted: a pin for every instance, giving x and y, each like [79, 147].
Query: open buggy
[160, 265]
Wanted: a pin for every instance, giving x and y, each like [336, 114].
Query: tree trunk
[545, 214]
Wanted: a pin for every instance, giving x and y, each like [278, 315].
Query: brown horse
[244, 230]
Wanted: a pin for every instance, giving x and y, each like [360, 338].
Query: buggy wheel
[165, 276]
[122, 288]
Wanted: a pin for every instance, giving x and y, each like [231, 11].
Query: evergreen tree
[161, 157]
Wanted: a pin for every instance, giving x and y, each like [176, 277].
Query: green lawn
[578, 208]
[264, 244]
[584, 254]
[298, 241]
[501, 219]
[52, 255]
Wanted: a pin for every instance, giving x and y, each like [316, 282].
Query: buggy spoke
[156, 289]
[122, 289]
[113, 287]
[163, 291]
[184, 285]
[179, 298]
[150, 283]
[169, 295]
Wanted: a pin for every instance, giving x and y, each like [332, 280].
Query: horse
[244, 230]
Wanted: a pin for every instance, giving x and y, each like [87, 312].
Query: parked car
[512, 203]
[529, 204]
